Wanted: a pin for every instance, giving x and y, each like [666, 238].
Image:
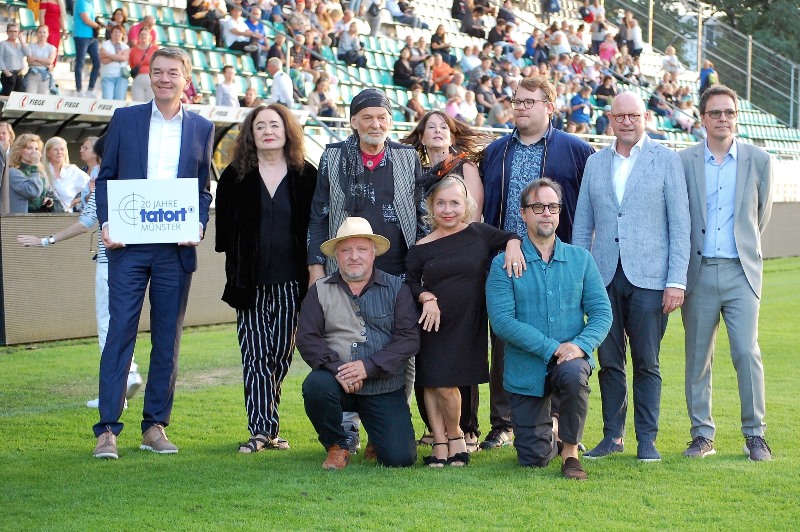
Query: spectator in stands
[602, 126]
[635, 40]
[506, 12]
[118, 18]
[605, 92]
[147, 24]
[516, 56]
[250, 98]
[708, 76]
[263, 207]
[66, 179]
[500, 116]
[404, 15]
[276, 50]
[12, 61]
[300, 61]
[373, 16]
[599, 31]
[51, 15]
[342, 25]
[499, 89]
[323, 21]
[85, 33]
[92, 164]
[190, 94]
[484, 69]
[559, 42]
[424, 71]
[440, 45]
[499, 34]
[560, 106]
[298, 21]
[200, 14]
[238, 36]
[41, 57]
[575, 38]
[139, 61]
[281, 91]
[581, 107]
[469, 59]
[320, 102]
[350, 49]
[484, 95]
[658, 103]
[472, 22]
[6, 139]
[114, 55]
[442, 73]
[255, 25]
[403, 74]
[86, 221]
[608, 50]
[26, 177]
[415, 105]
[227, 92]
[421, 50]
[671, 63]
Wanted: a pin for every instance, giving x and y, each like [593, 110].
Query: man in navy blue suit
[156, 140]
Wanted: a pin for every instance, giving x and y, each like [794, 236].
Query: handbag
[134, 71]
[125, 72]
[374, 10]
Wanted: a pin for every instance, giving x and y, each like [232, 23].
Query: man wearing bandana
[374, 178]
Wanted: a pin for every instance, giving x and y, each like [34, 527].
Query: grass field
[49, 481]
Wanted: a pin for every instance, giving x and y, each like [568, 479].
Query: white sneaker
[91, 94]
[134, 383]
[95, 403]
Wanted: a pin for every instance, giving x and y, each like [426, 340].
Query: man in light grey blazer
[633, 216]
[729, 186]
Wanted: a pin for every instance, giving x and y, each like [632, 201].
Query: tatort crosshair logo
[135, 210]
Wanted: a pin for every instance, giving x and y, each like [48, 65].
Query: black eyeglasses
[716, 115]
[620, 117]
[526, 104]
[538, 208]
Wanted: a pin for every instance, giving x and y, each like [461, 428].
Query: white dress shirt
[623, 165]
[164, 145]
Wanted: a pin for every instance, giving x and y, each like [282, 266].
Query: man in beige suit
[729, 203]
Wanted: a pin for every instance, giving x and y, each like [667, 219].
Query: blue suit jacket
[125, 157]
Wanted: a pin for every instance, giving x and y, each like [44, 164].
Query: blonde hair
[47, 166]
[20, 143]
[445, 183]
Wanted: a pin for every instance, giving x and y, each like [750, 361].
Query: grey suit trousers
[722, 287]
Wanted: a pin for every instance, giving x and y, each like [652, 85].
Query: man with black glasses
[633, 215]
[533, 150]
[730, 203]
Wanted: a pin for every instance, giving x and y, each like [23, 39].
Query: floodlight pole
[699, 38]
[749, 65]
[650, 23]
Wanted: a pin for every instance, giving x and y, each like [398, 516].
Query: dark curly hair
[465, 139]
[245, 156]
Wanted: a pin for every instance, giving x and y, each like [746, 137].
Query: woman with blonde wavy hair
[446, 272]
[27, 183]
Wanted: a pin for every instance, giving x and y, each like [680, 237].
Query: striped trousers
[266, 337]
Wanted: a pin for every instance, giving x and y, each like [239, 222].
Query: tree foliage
[773, 23]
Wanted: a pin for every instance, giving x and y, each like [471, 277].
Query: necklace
[371, 161]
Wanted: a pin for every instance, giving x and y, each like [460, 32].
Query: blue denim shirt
[563, 300]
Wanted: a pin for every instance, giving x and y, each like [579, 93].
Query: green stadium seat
[199, 61]
[134, 11]
[175, 37]
[168, 17]
[27, 21]
[208, 83]
[207, 40]
[161, 35]
[101, 9]
[243, 84]
[258, 84]
[215, 61]
[68, 44]
[248, 67]
[191, 40]
[233, 60]
[151, 10]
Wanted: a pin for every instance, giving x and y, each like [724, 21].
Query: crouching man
[357, 329]
[552, 318]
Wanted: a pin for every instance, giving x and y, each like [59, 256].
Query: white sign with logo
[153, 211]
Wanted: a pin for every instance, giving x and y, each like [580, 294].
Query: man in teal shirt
[552, 318]
[85, 33]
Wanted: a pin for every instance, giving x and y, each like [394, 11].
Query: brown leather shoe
[369, 452]
[106, 446]
[155, 439]
[337, 459]
[572, 469]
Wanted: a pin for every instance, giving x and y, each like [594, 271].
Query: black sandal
[256, 444]
[459, 459]
[432, 461]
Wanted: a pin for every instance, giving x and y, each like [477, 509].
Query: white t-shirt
[227, 25]
[40, 52]
[227, 95]
[112, 69]
[560, 43]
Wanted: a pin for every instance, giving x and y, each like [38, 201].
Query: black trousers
[532, 420]
[12, 83]
[386, 417]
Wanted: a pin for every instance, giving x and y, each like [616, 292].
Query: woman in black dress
[446, 274]
[263, 208]
[447, 147]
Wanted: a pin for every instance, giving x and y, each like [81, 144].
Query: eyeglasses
[716, 115]
[526, 104]
[620, 117]
[538, 208]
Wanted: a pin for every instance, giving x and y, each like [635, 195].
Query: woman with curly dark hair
[449, 148]
[263, 208]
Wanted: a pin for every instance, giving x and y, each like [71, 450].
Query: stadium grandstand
[314, 45]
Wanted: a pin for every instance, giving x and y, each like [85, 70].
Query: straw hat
[355, 227]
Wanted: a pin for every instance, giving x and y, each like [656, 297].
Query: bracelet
[45, 242]
[430, 299]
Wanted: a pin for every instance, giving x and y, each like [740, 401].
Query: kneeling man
[549, 344]
[357, 328]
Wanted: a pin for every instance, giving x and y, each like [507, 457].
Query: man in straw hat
[357, 329]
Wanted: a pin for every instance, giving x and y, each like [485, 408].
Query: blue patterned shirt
[720, 194]
[526, 166]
